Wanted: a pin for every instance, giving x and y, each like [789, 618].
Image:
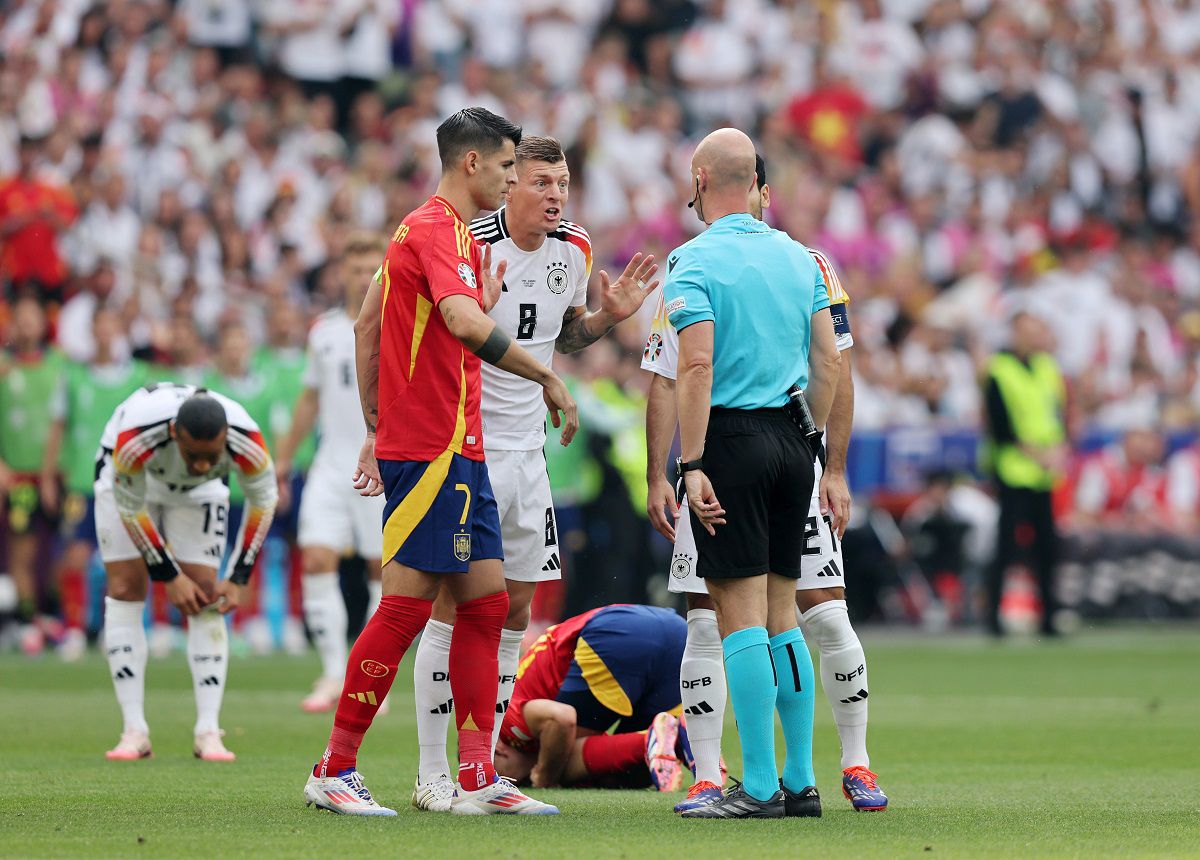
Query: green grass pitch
[1083, 748]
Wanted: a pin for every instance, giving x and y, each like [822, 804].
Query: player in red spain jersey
[418, 374]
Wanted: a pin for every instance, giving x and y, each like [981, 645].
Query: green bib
[26, 390]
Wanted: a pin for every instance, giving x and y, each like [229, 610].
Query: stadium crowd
[176, 179]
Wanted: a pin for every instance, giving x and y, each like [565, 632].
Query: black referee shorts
[762, 472]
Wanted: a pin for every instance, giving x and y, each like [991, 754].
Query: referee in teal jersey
[747, 301]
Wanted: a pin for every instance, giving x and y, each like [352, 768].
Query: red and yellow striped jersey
[428, 382]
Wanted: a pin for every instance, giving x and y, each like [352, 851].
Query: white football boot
[134, 744]
[435, 795]
[209, 747]
[499, 798]
[345, 794]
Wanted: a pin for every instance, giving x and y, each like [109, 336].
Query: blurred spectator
[34, 213]
[1123, 488]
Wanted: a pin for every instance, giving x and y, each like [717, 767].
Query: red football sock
[605, 754]
[369, 675]
[473, 677]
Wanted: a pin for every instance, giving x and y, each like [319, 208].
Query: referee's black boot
[738, 804]
[805, 803]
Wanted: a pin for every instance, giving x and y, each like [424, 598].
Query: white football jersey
[329, 370]
[539, 287]
[661, 355]
[144, 466]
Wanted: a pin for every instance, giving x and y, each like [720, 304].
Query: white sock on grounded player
[208, 657]
[374, 595]
[704, 692]
[843, 675]
[125, 645]
[325, 615]
[509, 656]
[434, 701]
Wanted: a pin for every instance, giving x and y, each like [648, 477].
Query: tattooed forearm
[576, 332]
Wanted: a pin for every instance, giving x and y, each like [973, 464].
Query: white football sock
[509, 656]
[374, 595]
[843, 675]
[434, 701]
[325, 615]
[703, 691]
[125, 644]
[208, 656]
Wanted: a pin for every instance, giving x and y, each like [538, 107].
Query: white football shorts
[821, 566]
[527, 527]
[334, 515]
[195, 526]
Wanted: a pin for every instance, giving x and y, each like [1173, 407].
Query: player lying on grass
[543, 306]
[820, 590]
[162, 503]
[613, 666]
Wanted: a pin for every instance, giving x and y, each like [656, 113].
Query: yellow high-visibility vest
[1034, 395]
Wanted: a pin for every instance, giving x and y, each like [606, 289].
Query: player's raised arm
[619, 300]
[257, 472]
[480, 334]
[134, 446]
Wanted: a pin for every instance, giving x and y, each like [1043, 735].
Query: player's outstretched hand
[366, 475]
[185, 595]
[622, 298]
[559, 399]
[229, 596]
[660, 505]
[702, 499]
[493, 282]
[835, 500]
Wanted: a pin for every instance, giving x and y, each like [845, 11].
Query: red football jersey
[540, 676]
[428, 382]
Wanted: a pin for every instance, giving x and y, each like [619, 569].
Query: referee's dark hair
[473, 128]
[203, 417]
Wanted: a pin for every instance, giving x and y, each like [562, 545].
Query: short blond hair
[534, 148]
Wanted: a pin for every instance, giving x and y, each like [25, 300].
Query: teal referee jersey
[759, 288]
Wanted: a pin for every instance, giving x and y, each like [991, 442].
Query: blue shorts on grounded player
[625, 667]
[441, 515]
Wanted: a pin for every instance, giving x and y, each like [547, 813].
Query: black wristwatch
[689, 466]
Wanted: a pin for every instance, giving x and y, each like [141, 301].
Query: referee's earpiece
[695, 196]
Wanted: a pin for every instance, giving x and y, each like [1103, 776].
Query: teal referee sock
[797, 691]
[751, 679]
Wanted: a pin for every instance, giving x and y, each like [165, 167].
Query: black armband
[494, 347]
[163, 571]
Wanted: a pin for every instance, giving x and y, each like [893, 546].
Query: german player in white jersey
[161, 509]
[334, 517]
[820, 594]
[544, 262]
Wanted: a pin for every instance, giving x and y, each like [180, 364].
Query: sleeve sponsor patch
[841, 319]
[676, 305]
[467, 274]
